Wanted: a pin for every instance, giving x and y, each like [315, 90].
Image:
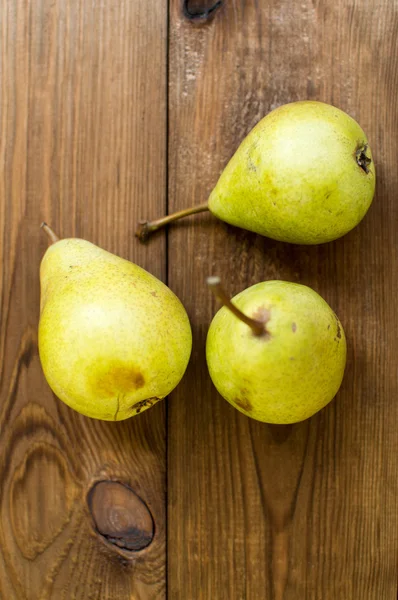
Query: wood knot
[120, 516]
[195, 12]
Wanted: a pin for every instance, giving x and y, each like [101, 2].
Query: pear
[276, 352]
[113, 339]
[304, 175]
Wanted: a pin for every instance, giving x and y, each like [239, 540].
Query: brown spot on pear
[117, 378]
[144, 404]
[243, 403]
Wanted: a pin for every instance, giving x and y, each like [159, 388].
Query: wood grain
[254, 512]
[83, 146]
[307, 511]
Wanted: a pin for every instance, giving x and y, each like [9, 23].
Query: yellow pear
[303, 175]
[276, 352]
[113, 339]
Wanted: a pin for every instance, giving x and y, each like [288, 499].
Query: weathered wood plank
[83, 146]
[308, 511]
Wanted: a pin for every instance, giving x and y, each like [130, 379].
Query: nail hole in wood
[197, 13]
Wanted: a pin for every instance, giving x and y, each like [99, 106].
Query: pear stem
[146, 228]
[214, 284]
[51, 234]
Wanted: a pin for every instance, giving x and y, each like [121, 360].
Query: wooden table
[116, 110]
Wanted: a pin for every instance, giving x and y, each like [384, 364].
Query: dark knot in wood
[120, 516]
[198, 13]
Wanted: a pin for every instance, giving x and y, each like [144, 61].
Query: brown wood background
[119, 109]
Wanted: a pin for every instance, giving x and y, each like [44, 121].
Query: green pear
[113, 339]
[303, 175]
[277, 352]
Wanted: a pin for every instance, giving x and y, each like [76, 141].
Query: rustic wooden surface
[83, 146]
[307, 512]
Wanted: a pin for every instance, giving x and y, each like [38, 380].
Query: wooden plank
[307, 511]
[83, 146]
